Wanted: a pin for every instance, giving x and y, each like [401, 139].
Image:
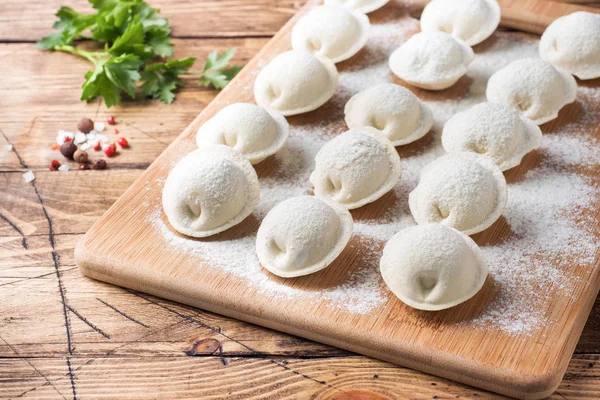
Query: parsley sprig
[136, 41]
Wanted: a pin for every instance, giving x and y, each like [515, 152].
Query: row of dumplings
[433, 265]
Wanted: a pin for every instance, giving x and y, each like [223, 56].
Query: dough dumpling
[296, 82]
[492, 130]
[465, 191]
[433, 267]
[363, 6]
[302, 235]
[210, 190]
[431, 60]
[332, 32]
[471, 21]
[392, 109]
[572, 43]
[356, 168]
[533, 88]
[250, 129]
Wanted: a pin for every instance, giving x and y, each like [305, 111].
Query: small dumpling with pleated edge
[253, 131]
[465, 191]
[356, 167]
[210, 190]
[433, 267]
[333, 32]
[302, 235]
[392, 109]
[492, 130]
[532, 87]
[471, 21]
[363, 6]
[296, 82]
[431, 60]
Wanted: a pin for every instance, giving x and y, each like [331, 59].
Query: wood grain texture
[36, 262]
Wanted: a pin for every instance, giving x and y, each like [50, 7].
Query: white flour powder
[531, 263]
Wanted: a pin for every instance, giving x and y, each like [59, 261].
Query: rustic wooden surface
[65, 336]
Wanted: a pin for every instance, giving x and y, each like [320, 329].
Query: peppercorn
[68, 149]
[80, 156]
[123, 142]
[84, 166]
[111, 120]
[54, 164]
[99, 164]
[85, 125]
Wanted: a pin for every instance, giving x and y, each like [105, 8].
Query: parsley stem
[92, 56]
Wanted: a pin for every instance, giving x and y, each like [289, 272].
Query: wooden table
[65, 336]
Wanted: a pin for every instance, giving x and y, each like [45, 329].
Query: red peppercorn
[111, 120]
[116, 131]
[84, 166]
[110, 150]
[97, 146]
[55, 146]
[54, 164]
[123, 142]
[67, 139]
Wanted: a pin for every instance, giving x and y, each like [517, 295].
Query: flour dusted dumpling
[433, 267]
[296, 82]
[572, 43]
[392, 109]
[431, 60]
[471, 21]
[363, 6]
[210, 190]
[356, 168]
[465, 191]
[250, 129]
[302, 235]
[533, 88]
[334, 32]
[492, 130]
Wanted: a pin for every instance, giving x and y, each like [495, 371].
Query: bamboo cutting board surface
[514, 337]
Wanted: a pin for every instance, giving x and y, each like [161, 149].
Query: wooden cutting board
[347, 305]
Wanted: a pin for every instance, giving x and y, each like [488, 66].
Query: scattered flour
[544, 224]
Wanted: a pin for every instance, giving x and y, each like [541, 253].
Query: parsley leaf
[162, 79]
[110, 77]
[215, 73]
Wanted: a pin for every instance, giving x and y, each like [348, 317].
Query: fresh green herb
[136, 39]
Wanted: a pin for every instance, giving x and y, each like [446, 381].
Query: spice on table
[116, 131]
[67, 139]
[55, 146]
[68, 149]
[84, 166]
[80, 156]
[110, 150]
[63, 168]
[85, 125]
[99, 164]
[111, 120]
[54, 165]
[29, 176]
[123, 142]
[97, 146]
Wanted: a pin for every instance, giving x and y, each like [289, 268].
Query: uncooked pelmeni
[392, 109]
[334, 32]
[533, 88]
[492, 130]
[572, 43]
[465, 191]
[433, 267]
[210, 190]
[250, 129]
[355, 168]
[363, 6]
[431, 60]
[296, 82]
[472, 21]
[302, 235]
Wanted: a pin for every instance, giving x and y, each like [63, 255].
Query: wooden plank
[21, 21]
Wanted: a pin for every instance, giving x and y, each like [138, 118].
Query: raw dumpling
[464, 190]
[296, 82]
[302, 235]
[471, 21]
[363, 6]
[492, 130]
[210, 190]
[392, 109]
[533, 88]
[250, 129]
[572, 43]
[431, 60]
[433, 267]
[333, 32]
[356, 168]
